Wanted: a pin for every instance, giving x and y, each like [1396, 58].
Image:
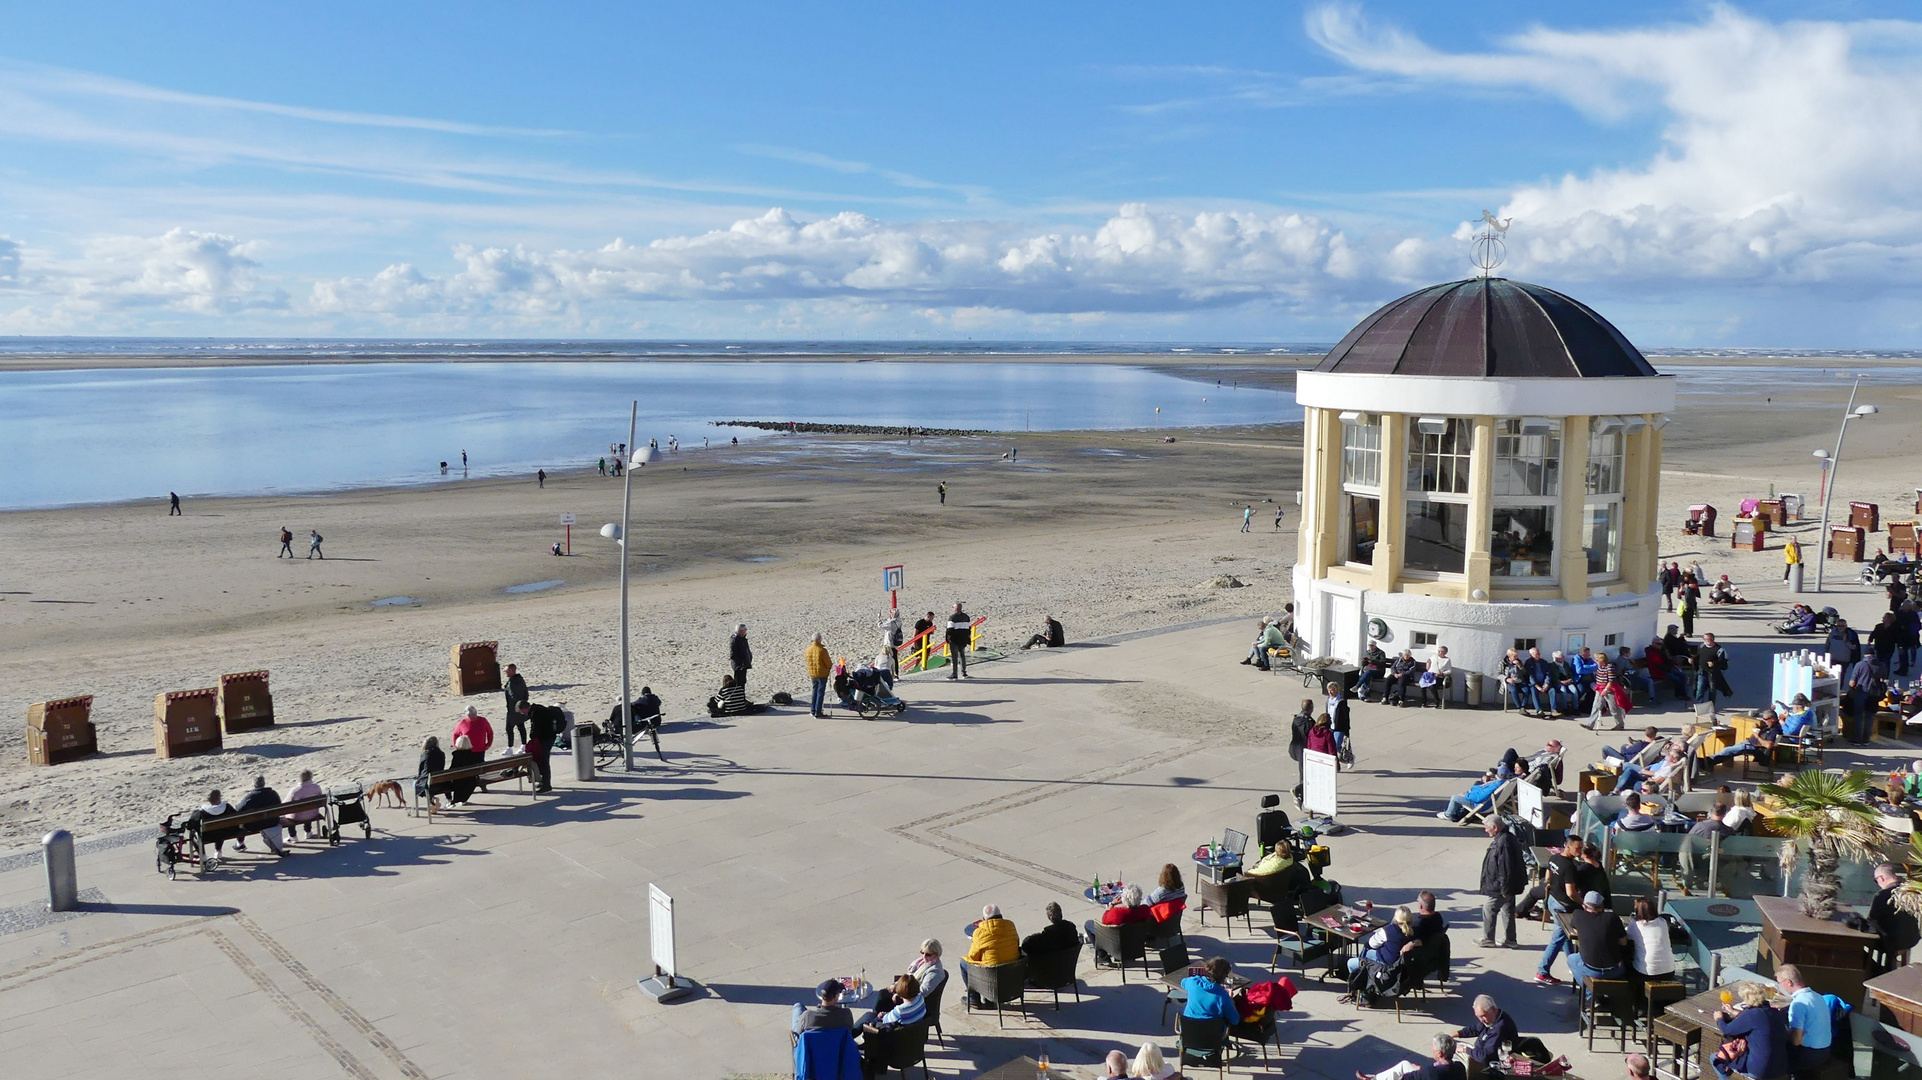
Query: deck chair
[1503, 796]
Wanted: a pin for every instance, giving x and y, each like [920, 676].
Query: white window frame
[1463, 467]
[1610, 434]
[1358, 422]
[1518, 432]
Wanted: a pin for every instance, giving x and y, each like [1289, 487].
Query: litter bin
[1795, 578]
[1473, 681]
[584, 752]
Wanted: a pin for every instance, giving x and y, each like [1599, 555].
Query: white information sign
[1318, 783]
[660, 928]
[567, 519]
[1529, 798]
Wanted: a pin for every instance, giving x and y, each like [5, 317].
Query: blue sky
[1704, 174]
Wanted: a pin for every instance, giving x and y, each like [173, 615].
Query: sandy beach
[1110, 531]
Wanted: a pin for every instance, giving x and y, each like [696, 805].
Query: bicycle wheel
[654, 733]
[607, 752]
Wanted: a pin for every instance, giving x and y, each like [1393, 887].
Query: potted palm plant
[1825, 811]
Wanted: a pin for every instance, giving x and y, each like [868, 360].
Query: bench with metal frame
[516, 767]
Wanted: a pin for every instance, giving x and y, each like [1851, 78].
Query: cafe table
[1689, 1028]
[1345, 927]
[1027, 1068]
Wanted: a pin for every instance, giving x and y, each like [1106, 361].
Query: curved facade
[1482, 466]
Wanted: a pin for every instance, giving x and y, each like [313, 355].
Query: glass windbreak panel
[1527, 463]
[1604, 460]
[1364, 527]
[1361, 452]
[1521, 543]
[1602, 539]
[1439, 462]
[1437, 537]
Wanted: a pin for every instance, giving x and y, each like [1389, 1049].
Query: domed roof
[1487, 327]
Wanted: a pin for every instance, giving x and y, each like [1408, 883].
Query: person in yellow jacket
[820, 667]
[992, 942]
[1791, 556]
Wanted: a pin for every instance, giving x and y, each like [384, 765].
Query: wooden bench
[240, 824]
[516, 767]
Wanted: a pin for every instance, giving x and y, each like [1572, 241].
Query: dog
[382, 789]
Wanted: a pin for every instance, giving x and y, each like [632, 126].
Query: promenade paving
[506, 942]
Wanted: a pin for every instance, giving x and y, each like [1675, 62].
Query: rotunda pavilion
[1481, 466]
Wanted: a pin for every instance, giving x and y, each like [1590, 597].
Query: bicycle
[610, 748]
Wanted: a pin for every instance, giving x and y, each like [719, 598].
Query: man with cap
[830, 1013]
[1604, 941]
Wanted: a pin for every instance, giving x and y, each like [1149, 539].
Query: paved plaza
[506, 942]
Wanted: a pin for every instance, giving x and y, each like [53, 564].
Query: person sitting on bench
[214, 807]
[464, 755]
[261, 797]
[306, 790]
[1271, 637]
[432, 760]
[1051, 635]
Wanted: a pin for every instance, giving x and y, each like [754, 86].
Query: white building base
[1334, 619]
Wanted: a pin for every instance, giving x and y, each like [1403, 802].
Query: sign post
[567, 522]
[664, 985]
[1318, 773]
[893, 579]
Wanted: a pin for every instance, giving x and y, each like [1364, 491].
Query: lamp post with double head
[618, 534]
[1835, 465]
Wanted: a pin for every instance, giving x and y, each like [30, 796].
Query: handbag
[1427, 679]
[1520, 1065]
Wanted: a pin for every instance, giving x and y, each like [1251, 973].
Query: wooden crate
[474, 667]
[244, 702]
[186, 722]
[60, 731]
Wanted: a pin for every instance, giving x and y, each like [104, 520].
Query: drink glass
[1041, 1065]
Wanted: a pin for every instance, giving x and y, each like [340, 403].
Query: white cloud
[180, 271]
[1789, 153]
[1139, 260]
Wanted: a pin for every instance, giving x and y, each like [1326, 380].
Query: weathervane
[1489, 248]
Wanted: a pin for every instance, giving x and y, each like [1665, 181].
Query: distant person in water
[463, 461]
[942, 489]
[173, 503]
[443, 468]
[540, 475]
[313, 545]
[286, 542]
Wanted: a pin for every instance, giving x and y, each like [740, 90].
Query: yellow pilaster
[1638, 569]
[1574, 568]
[1394, 526]
[1481, 487]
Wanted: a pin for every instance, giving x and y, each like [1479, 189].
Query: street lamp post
[1835, 465]
[618, 534]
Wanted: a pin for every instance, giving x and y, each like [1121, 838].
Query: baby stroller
[868, 693]
[1884, 569]
[1806, 620]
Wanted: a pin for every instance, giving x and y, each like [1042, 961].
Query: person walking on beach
[1247, 516]
[515, 690]
[602, 465]
[173, 504]
[313, 545]
[286, 542]
[1277, 519]
[960, 633]
[739, 656]
[942, 489]
[820, 668]
[540, 475]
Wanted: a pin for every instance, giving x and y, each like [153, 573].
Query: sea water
[95, 436]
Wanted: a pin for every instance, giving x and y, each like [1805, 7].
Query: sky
[1702, 174]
